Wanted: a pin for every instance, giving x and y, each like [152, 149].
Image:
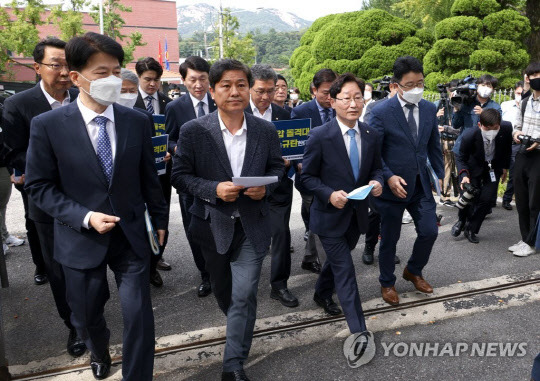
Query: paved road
[36, 337]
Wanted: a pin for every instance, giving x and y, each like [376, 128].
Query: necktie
[104, 151]
[353, 154]
[327, 117]
[411, 121]
[201, 109]
[149, 106]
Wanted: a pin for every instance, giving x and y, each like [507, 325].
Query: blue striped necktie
[149, 105]
[354, 157]
[104, 151]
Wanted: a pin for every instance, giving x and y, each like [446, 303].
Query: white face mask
[127, 99]
[294, 96]
[104, 91]
[367, 95]
[490, 135]
[414, 95]
[484, 91]
[517, 97]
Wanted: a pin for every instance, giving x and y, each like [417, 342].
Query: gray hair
[263, 73]
[130, 76]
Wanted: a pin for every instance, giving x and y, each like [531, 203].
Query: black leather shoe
[314, 267]
[330, 307]
[291, 249]
[75, 346]
[100, 368]
[285, 297]
[397, 261]
[237, 375]
[306, 235]
[40, 278]
[162, 265]
[367, 256]
[155, 279]
[506, 205]
[471, 236]
[205, 289]
[457, 228]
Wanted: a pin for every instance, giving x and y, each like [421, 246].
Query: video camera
[383, 88]
[526, 142]
[448, 133]
[464, 92]
[469, 193]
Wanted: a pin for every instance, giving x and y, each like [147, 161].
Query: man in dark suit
[53, 91]
[196, 103]
[261, 94]
[341, 156]
[320, 111]
[91, 167]
[484, 158]
[409, 137]
[154, 101]
[230, 223]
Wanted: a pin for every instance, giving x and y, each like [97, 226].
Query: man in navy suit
[90, 166]
[409, 137]
[262, 94]
[341, 156]
[320, 111]
[230, 223]
[53, 91]
[195, 104]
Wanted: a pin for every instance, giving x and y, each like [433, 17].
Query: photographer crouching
[484, 158]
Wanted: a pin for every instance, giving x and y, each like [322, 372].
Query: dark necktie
[149, 105]
[327, 116]
[201, 109]
[104, 151]
[412, 123]
[354, 157]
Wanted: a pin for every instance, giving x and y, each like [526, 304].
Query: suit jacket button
[232, 217]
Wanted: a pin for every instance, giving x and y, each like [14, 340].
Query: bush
[335, 46]
[451, 55]
[433, 79]
[378, 61]
[477, 8]
[460, 27]
[488, 60]
[426, 36]
[507, 25]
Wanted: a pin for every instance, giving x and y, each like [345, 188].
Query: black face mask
[535, 84]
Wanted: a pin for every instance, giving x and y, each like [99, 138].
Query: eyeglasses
[55, 66]
[347, 101]
[262, 92]
[409, 86]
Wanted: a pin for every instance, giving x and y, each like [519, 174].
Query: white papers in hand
[360, 193]
[254, 181]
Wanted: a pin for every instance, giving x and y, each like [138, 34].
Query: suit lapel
[252, 141]
[217, 137]
[339, 144]
[479, 141]
[41, 103]
[122, 132]
[315, 115]
[211, 104]
[400, 116]
[189, 108]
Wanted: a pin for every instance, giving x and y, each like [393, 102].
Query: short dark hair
[518, 85]
[39, 50]
[490, 117]
[279, 76]
[533, 68]
[194, 63]
[80, 49]
[263, 73]
[406, 64]
[146, 64]
[370, 85]
[227, 64]
[487, 79]
[322, 76]
[340, 81]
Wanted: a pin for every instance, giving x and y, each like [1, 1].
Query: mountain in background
[198, 17]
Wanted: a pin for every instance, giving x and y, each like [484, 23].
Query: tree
[69, 22]
[275, 48]
[234, 45]
[113, 24]
[19, 31]
[424, 12]
[532, 11]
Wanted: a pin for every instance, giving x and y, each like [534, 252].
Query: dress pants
[527, 188]
[422, 209]
[54, 270]
[509, 193]
[186, 201]
[311, 250]
[374, 226]
[477, 210]
[32, 235]
[165, 181]
[87, 293]
[235, 279]
[280, 214]
[338, 271]
[5, 194]
[449, 166]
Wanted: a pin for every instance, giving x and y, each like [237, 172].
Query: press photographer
[483, 159]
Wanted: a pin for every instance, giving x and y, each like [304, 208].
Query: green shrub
[488, 60]
[507, 25]
[477, 8]
[460, 27]
[433, 79]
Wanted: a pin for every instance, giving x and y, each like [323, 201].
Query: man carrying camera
[527, 164]
[483, 159]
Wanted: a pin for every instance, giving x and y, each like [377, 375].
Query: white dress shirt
[347, 139]
[53, 102]
[93, 129]
[155, 102]
[510, 110]
[267, 113]
[235, 146]
[416, 112]
[196, 102]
